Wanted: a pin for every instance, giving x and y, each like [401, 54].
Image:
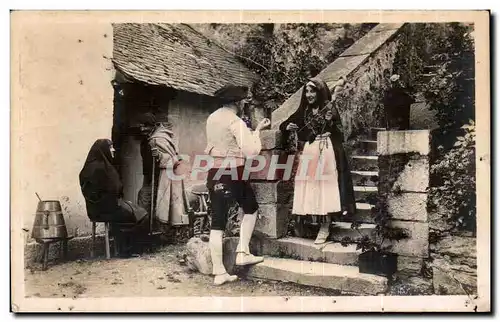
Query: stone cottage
[172, 71]
[119, 72]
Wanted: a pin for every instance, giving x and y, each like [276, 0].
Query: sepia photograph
[306, 161]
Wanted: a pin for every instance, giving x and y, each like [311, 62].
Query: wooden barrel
[49, 221]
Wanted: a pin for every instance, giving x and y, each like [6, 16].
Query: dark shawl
[308, 133]
[100, 182]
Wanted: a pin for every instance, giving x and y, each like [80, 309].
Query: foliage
[454, 172]
[287, 56]
[383, 231]
[437, 60]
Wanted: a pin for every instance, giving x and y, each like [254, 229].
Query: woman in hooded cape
[323, 183]
[103, 192]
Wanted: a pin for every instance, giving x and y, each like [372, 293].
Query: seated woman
[103, 192]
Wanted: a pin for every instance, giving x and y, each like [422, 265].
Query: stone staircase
[330, 265]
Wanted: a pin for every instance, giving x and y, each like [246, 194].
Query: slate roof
[177, 56]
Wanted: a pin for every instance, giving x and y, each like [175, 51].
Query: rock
[452, 279]
[412, 286]
[457, 246]
[198, 256]
[409, 266]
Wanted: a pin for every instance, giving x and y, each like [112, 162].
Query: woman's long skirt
[316, 182]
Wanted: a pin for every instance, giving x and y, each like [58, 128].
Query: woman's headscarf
[98, 176]
[323, 94]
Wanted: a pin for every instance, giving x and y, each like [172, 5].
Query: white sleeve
[248, 141]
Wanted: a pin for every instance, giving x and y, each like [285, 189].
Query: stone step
[367, 147]
[365, 194]
[374, 131]
[364, 163]
[305, 249]
[346, 279]
[365, 178]
[364, 212]
[340, 230]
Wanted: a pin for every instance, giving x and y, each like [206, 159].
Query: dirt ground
[157, 274]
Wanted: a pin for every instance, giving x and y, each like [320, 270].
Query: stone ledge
[305, 249]
[370, 42]
[346, 279]
[395, 142]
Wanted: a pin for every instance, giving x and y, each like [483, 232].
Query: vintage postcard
[250, 161]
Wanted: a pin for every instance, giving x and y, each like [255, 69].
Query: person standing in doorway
[397, 103]
[229, 143]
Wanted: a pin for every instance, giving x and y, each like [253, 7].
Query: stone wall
[273, 189]
[403, 182]
[363, 64]
[429, 261]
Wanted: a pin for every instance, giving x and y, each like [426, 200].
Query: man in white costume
[229, 143]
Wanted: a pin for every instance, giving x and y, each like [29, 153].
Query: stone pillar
[272, 188]
[404, 180]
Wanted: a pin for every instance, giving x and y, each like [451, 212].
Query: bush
[286, 57]
[455, 181]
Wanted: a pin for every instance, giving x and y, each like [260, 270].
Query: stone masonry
[272, 187]
[404, 180]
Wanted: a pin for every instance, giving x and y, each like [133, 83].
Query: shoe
[224, 278]
[243, 259]
[323, 234]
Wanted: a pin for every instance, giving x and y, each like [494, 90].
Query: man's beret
[231, 93]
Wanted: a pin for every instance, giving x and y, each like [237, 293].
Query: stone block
[270, 139]
[369, 43]
[277, 165]
[396, 142]
[273, 220]
[417, 244]
[403, 173]
[345, 279]
[415, 176]
[277, 192]
[452, 279]
[408, 206]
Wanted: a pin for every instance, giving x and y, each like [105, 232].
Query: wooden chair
[106, 240]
